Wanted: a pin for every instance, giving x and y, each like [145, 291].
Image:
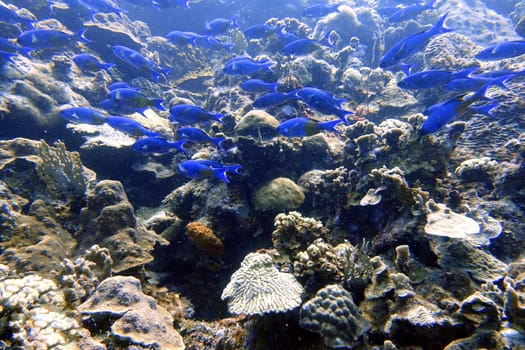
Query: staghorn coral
[204, 238]
[131, 316]
[257, 287]
[333, 314]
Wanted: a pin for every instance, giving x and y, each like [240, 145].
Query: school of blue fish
[191, 122]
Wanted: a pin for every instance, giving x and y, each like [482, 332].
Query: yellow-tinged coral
[204, 238]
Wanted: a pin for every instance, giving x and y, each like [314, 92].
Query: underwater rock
[480, 310]
[333, 314]
[459, 254]
[257, 287]
[109, 221]
[441, 221]
[134, 317]
[280, 194]
[257, 124]
[36, 315]
[204, 238]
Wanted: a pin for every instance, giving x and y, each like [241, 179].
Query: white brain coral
[257, 287]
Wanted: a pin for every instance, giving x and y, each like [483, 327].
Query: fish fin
[439, 27]
[81, 34]
[220, 173]
[326, 40]
[218, 117]
[406, 68]
[179, 146]
[158, 103]
[485, 109]
[108, 66]
[234, 23]
[217, 141]
[465, 73]
[330, 125]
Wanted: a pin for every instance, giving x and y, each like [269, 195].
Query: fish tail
[330, 125]
[234, 23]
[234, 169]
[166, 71]
[439, 27]
[179, 146]
[465, 73]
[406, 68]
[218, 117]
[158, 103]
[273, 87]
[220, 173]
[486, 109]
[26, 51]
[229, 46]
[217, 141]
[326, 40]
[81, 34]
[8, 56]
[342, 115]
[268, 67]
[108, 66]
[502, 80]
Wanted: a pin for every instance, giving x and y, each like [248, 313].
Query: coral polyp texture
[257, 288]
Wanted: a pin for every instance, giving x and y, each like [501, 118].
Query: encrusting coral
[204, 238]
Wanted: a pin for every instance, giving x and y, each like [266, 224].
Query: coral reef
[257, 287]
[280, 194]
[204, 238]
[333, 314]
[133, 317]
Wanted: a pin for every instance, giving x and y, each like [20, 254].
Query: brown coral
[204, 238]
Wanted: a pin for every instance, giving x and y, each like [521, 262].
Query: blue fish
[443, 113]
[405, 13]
[171, 3]
[432, 78]
[261, 31]
[211, 43]
[87, 62]
[121, 85]
[49, 38]
[177, 37]
[6, 57]
[245, 58]
[9, 16]
[506, 49]
[202, 169]
[256, 85]
[302, 47]
[83, 115]
[105, 6]
[320, 10]
[191, 114]
[199, 136]
[9, 47]
[323, 102]
[134, 100]
[129, 126]
[274, 99]
[157, 145]
[300, 127]
[220, 25]
[411, 44]
[139, 62]
[242, 67]
[474, 83]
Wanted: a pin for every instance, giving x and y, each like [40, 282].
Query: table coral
[257, 287]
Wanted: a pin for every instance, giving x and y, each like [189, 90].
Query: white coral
[257, 287]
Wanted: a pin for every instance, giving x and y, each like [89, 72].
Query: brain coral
[278, 195]
[258, 287]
